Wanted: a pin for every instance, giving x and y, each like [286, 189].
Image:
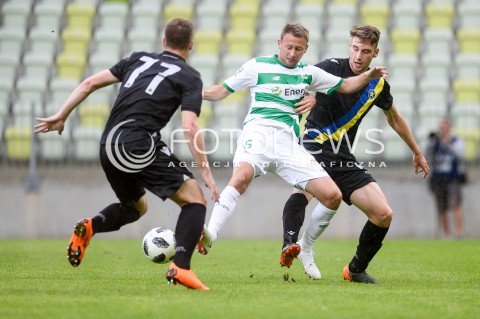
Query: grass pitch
[420, 279]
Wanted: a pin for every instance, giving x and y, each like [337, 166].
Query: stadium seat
[436, 67]
[60, 90]
[376, 14]
[314, 2]
[341, 16]
[11, 40]
[109, 40]
[18, 142]
[435, 92]
[146, 15]
[471, 136]
[80, 15]
[438, 41]
[403, 66]
[48, 15]
[240, 42]
[172, 10]
[42, 41]
[406, 14]
[31, 89]
[207, 65]
[467, 66]
[337, 44]
[439, 15]
[207, 42]
[405, 40]
[15, 14]
[243, 15]
[71, 65]
[93, 115]
[469, 40]
[86, 143]
[395, 148]
[403, 92]
[76, 40]
[467, 90]
[9, 74]
[274, 16]
[312, 17]
[267, 41]
[210, 15]
[113, 15]
[54, 147]
[468, 13]
[231, 63]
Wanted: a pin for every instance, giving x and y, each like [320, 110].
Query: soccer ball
[159, 245]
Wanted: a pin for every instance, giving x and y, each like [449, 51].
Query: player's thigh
[189, 193]
[125, 185]
[371, 200]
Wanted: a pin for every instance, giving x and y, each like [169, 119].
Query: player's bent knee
[141, 205]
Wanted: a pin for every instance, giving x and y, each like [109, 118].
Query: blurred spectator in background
[446, 154]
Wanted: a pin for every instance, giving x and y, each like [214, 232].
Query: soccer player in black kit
[134, 157]
[334, 119]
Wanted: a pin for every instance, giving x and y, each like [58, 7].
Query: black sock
[113, 217]
[370, 242]
[293, 217]
[187, 233]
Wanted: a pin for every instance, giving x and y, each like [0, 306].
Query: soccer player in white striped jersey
[269, 139]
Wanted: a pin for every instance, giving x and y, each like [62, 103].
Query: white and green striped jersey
[275, 88]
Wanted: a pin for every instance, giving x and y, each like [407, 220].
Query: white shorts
[276, 150]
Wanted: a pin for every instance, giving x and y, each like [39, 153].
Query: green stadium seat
[405, 40]
[376, 14]
[439, 15]
[467, 90]
[18, 142]
[469, 40]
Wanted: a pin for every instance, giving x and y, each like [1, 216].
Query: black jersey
[153, 87]
[338, 113]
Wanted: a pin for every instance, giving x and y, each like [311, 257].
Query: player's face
[291, 49]
[361, 54]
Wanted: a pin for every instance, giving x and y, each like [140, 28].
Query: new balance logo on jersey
[126, 161]
[276, 78]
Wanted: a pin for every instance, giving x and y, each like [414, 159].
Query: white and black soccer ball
[159, 245]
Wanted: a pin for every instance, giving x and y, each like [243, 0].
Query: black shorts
[448, 194]
[342, 166]
[163, 177]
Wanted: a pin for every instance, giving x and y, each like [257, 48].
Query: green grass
[420, 279]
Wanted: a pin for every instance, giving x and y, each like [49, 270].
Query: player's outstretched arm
[80, 93]
[355, 83]
[215, 93]
[398, 123]
[196, 145]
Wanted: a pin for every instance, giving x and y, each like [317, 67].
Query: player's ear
[375, 53]
[190, 46]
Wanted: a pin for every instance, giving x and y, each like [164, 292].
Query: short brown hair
[179, 33]
[366, 33]
[296, 29]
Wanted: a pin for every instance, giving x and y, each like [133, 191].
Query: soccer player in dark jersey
[132, 154]
[331, 122]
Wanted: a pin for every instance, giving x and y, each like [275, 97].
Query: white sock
[319, 221]
[223, 210]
